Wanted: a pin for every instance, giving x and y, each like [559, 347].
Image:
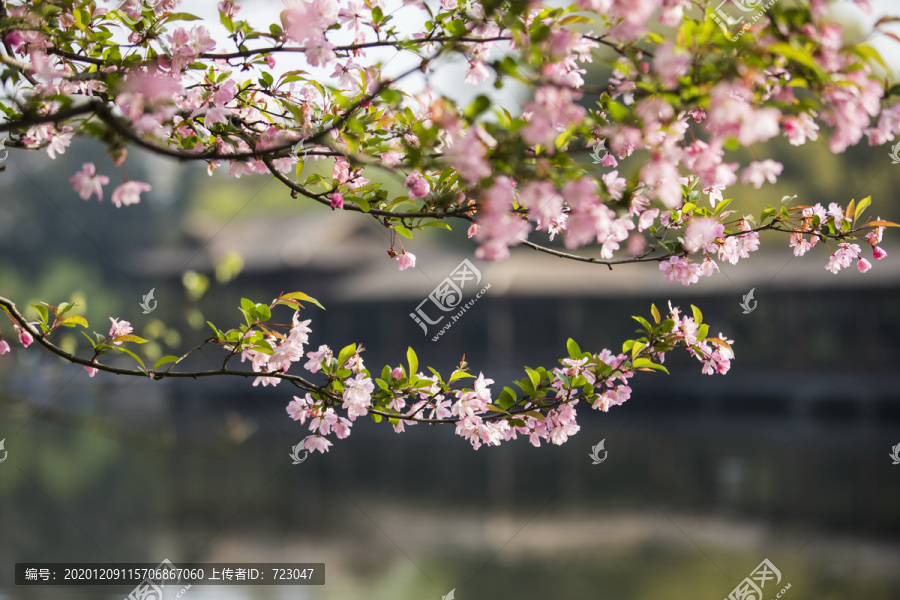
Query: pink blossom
[357, 396]
[316, 442]
[800, 128]
[468, 156]
[878, 252]
[615, 185]
[758, 172]
[24, 337]
[337, 200]
[863, 265]
[670, 63]
[663, 177]
[298, 408]
[701, 234]
[87, 182]
[418, 185]
[91, 371]
[801, 245]
[477, 72]
[843, 256]
[316, 358]
[118, 329]
[406, 260]
[4, 347]
[874, 237]
[481, 388]
[129, 193]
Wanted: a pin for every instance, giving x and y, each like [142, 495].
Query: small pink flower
[24, 337]
[90, 370]
[296, 409]
[118, 329]
[407, 260]
[316, 442]
[4, 347]
[397, 373]
[87, 182]
[129, 193]
[863, 265]
[14, 39]
[878, 252]
[418, 186]
[473, 230]
[337, 200]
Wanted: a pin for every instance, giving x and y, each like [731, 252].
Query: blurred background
[785, 457]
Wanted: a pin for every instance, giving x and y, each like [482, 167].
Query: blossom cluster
[181, 92]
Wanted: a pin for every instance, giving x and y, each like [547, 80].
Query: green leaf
[646, 363]
[721, 206]
[90, 339]
[346, 353]
[851, 210]
[507, 399]
[458, 375]
[42, 311]
[132, 354]
[301, 296]
[574, 350]
[182, 16]
[413, 360]
[638, 346]
[164, 361]
[63, 308]
[534, 376]
[571, 19]
[478, 106]
[702, 332]
[122, 338]
[644, 323]
[216, 331]
[655, 312]
[863, 205]
[698, 316]
[793, 53]
[438, 224]
[403, 231]
[73, 321]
